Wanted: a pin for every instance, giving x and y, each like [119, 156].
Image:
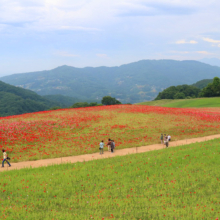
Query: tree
[108, 100]
[212, 89]
[179, 95]
[178, 92]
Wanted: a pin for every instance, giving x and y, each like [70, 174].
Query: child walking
[101, 146]
[5, 158]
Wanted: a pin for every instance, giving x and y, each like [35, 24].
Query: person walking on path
[166, 142]
[5, 158]
[101, 146]
[161, 138]
[109, 144]
[169, 138]
[112, 146]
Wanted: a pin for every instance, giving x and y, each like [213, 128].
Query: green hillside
[185, 103]
[130, 83]
[64, 101]
[14, 101]
[174, 183]
[202, 83]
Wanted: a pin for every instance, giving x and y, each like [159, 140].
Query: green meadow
[185, 103]
[174, 183]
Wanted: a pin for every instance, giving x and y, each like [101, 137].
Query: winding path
[95, 156]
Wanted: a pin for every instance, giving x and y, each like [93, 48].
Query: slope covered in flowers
[66, 132]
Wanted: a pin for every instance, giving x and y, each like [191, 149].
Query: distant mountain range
[134, 82]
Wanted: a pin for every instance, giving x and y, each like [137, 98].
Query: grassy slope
[79, 131]
[185, 103]
[174, 183]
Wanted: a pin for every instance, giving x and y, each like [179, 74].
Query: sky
[44, 34]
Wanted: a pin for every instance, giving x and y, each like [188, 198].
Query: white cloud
[193, 42]
[90, 15]
[65, 54]
[204, 52]
[186, 42]
[211, 40]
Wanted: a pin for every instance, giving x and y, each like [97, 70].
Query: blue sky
[43, 34]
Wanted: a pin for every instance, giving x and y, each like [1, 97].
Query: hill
[174, 183]
[15, 100]
[202, 83]
[80, 130]
[130, 83]
[61, 100]
[185, 103]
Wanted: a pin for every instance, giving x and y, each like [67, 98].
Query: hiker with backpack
[166, 141]
[112, 146]
[169, 137]
[109, 144]
[5, 158]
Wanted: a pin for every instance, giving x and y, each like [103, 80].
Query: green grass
[174, 183]
[185, 103]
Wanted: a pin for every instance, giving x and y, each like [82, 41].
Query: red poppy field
[68, 132]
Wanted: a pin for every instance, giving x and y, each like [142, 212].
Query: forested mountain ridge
[134, 82]
[15, 100]
[202, 83]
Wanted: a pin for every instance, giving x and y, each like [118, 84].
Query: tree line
[106, 100]
[190, 91]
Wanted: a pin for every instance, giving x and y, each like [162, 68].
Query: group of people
[110, 145]
[165, 139]
[5, 158]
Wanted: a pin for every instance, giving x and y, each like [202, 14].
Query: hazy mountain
[211, 61]
[63, 101]
[134, 82]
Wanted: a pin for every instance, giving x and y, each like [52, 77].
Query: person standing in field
[101, 146]
[5, 158]
[161, 138]
[169, 138]
[166, 142]
[109, 144]
[112, 146]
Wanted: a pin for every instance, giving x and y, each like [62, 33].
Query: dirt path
[87, 157]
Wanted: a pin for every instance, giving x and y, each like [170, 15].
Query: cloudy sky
[43, 34]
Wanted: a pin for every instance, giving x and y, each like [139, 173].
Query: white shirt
[169, 137]
[4, 155]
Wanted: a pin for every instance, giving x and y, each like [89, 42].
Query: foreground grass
[185, 103]
[174, 183]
